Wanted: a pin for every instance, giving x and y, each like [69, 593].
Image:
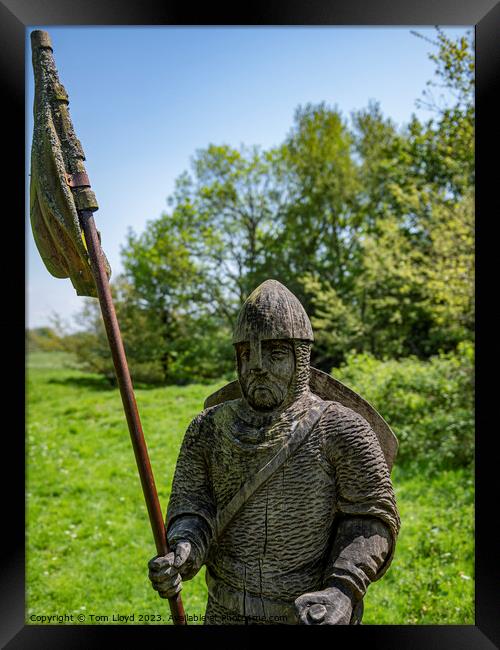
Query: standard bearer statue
[282, 486]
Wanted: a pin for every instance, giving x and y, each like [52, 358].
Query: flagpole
[128, 398]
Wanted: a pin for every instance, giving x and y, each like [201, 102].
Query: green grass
[431, 579]
[88, 534]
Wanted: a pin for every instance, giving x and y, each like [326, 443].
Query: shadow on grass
[99, 383]
[92, 383]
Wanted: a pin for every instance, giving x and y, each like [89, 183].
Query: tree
[449, 274]
[412, 291]
[336, 323]
[445, 146]
[42, 339]
[370, 225]
[232, 203]
[170, 287]
[320, 221]
[163, 283]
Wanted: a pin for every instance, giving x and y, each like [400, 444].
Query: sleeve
[359, 552]
[191, 509]
[368, 519]
[195, 530]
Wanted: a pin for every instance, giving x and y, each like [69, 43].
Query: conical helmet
[271, 311]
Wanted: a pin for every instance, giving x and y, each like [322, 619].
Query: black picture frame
[15, 17]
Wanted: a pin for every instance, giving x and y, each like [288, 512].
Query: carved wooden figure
[282, 486]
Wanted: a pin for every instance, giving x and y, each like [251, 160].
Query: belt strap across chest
[300, 430]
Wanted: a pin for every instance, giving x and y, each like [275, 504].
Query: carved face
[265, 370]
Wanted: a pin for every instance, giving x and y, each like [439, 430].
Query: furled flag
[59, 184]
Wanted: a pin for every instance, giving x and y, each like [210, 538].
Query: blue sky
[143, 99]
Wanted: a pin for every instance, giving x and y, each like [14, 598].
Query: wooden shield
[329, 388]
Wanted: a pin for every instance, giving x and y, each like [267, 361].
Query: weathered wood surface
[303, 538]
[329, 388]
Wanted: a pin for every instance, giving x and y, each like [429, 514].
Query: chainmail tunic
[278, 545]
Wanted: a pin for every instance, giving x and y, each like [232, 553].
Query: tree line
[371, 225]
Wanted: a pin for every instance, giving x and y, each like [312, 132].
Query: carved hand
[166, 572]
[328, 607]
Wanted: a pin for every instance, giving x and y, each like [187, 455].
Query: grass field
[88, 535]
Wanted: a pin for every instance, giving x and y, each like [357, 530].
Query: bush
[42, 339]
[199, 349]
[428, 404]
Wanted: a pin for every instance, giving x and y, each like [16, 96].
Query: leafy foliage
[186, 347]
[42, 339]
[428, 404]
[371, 226]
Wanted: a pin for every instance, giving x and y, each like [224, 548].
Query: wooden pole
[128, 398]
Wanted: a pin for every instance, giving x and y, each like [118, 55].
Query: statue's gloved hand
[327, 607]
[166, 572]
